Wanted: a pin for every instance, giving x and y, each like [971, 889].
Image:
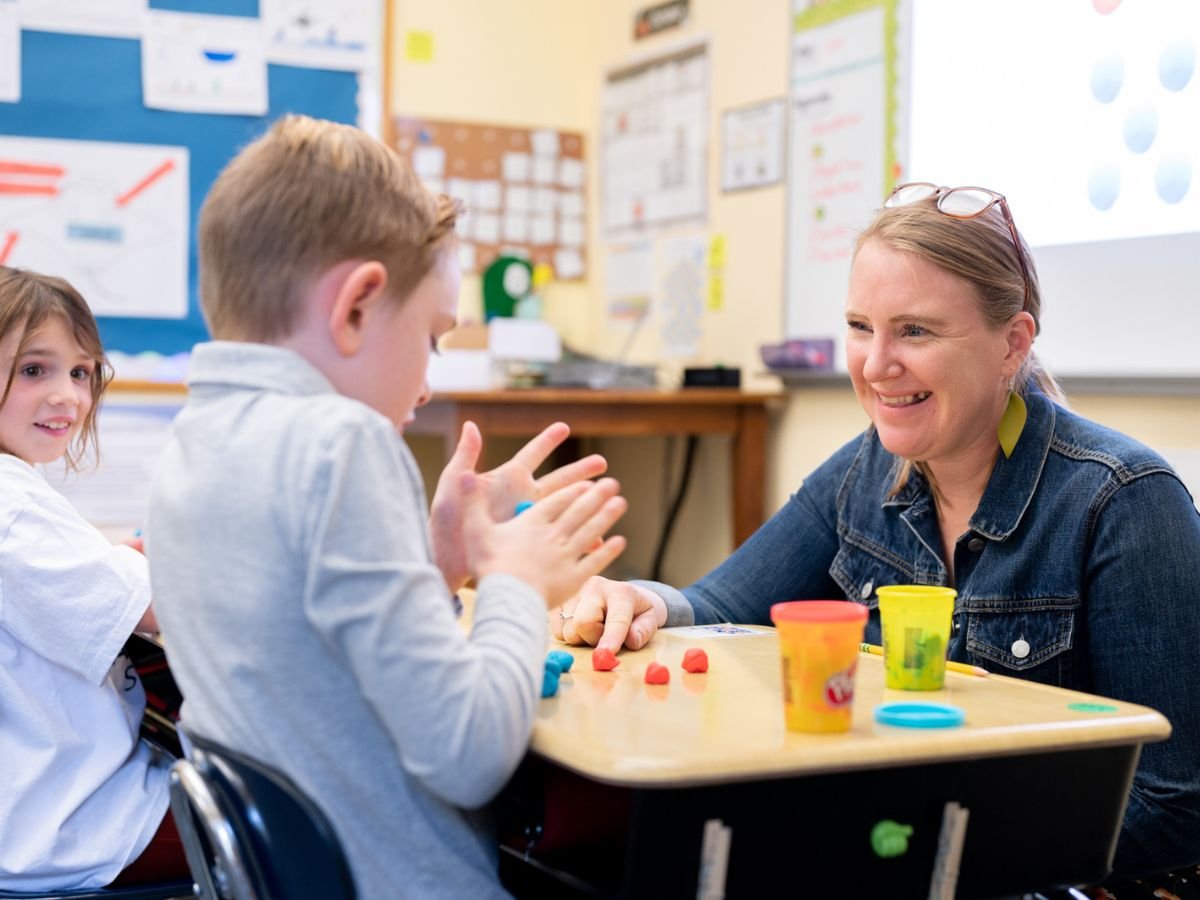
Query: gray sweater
[308, 627]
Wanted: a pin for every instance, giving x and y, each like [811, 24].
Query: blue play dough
[919, 715]
[522, 506]
[564, 659]
[550, 678]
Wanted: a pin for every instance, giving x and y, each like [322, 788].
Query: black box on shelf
[717, 376]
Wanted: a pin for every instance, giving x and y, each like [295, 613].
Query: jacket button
[975, 544]
[1020, 648]
[866, 590]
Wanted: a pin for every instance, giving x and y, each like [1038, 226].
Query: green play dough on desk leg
[890, 838]
[1091, 707]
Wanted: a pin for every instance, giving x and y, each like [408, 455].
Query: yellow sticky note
[716, 252]
[716, 291]
[418, 46]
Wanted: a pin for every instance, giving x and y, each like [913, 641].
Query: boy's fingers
[582, 469]
[573, 518]
[466, 452]
[587, 538]
[538, 450]
[551, 507]
[596, 561]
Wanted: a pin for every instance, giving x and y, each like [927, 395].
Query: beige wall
[542, 62]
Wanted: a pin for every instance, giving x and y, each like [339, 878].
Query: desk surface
[727, 724]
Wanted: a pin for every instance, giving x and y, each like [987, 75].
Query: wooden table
[1045, 784]
[623, 413]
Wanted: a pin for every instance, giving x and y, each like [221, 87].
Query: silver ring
[562, 615]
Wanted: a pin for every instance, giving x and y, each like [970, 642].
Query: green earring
[1012, 423]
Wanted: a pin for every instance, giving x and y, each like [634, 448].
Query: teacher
[1074, 549]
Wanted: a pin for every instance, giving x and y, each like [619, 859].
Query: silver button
[1020, 648]
[975, 544]
[866, 590]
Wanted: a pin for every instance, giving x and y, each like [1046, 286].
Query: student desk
[622, 413]
[1045, 785]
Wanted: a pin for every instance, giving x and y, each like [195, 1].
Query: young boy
[307, 622]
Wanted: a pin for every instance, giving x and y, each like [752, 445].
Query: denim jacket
[1080, 568]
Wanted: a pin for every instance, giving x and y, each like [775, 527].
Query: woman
[1075, 550]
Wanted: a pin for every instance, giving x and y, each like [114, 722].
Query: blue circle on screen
[1103, 186]
[1108, 74]
[1176, 65]
[1141, 127]
[1173, 178]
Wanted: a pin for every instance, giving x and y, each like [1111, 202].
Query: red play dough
[657, 674]
[604, 660]
[695, 660]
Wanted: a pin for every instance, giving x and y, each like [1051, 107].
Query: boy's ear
[355, 299]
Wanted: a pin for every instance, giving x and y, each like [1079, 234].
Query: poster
[110, 218]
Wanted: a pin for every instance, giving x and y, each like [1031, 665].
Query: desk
[1045, 785]
[628, 413]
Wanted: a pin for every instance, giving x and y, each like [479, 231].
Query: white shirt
[80, 795]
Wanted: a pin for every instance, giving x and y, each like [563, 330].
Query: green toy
[505, 282]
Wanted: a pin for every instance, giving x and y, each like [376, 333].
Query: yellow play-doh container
[915, 619]
[818, 649]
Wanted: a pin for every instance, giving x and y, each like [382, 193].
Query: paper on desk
[715, 631]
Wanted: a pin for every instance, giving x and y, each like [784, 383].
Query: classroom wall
[542, 62]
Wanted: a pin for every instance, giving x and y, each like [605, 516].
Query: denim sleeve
[1143, 623]
[788, 558]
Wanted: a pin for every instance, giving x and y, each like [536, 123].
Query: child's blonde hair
[27, 301]
[308, 195]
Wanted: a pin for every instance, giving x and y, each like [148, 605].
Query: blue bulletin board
[84, 87]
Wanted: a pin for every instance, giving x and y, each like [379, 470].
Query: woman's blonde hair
[27, 301]
[981, 252]
[307, 195]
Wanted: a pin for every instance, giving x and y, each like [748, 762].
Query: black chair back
[176, 890]
[251, 834]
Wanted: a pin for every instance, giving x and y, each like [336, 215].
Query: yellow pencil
[951, 665]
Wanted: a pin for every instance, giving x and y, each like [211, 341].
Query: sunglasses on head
[961, 203]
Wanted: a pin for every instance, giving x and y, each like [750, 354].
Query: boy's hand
[503, 488]
[554, 546]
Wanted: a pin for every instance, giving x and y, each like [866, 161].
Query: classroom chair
[175, 890]
[250, 833]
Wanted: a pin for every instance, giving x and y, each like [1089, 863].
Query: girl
[82, 796]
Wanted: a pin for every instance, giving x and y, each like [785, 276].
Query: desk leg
[747, 464]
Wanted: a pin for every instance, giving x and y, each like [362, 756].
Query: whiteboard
[1089, 124]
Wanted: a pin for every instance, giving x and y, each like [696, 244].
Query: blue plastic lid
[919, 715]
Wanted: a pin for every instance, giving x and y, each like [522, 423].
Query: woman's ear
[354, 302]
[1019, 333]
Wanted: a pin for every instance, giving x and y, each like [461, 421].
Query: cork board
[524, 189]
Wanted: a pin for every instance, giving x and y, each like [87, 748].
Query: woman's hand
[503, 488]
[608, 614]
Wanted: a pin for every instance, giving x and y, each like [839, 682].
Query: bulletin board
[524, 189]
[87, 87]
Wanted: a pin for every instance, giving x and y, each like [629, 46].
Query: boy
[291, 565]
